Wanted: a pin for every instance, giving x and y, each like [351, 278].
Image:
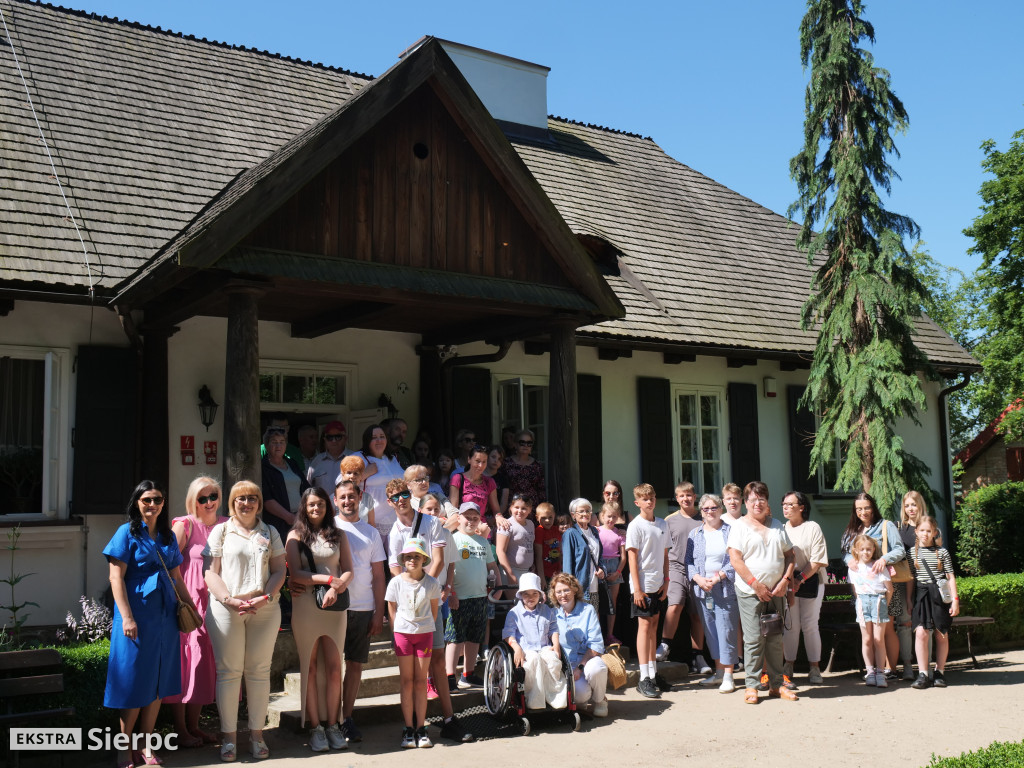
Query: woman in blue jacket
[581, 550]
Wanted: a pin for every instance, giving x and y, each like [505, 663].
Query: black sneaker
[922, 682]
[351, 730]
[454, 731]
[453, 684]
[662, 683]
[890, 675]
[939, 680]
[408, 738]
[647, 688]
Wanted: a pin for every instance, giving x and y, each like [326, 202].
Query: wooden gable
[413, 192]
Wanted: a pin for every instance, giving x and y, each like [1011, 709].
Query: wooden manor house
[180, 214]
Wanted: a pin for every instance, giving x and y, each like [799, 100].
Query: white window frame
[540, 451]
[824, 488]
[309, 368]
[698, 391]
[56, 431]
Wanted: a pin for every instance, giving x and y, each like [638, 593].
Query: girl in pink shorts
[412, 599]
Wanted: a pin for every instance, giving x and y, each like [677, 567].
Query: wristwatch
[579, 667]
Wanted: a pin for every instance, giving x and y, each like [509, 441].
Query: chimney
[514, 91]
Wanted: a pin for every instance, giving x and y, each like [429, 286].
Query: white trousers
[243, 645]
[593, 682]
[544, 682]
[803, 617]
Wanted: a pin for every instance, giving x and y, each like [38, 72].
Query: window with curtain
[22, 396]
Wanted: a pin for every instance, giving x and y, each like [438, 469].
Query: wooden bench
[967, 623]
[28, 673]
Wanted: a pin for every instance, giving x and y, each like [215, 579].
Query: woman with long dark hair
[810, 558]
[865, 518]
[145, 661]
[319, 634]
[381, 468]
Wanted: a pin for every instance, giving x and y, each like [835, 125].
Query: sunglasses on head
[403, 495]
[204, 499]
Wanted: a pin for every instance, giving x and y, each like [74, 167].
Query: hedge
[999, 754]
[990, 530]
[1000, 596]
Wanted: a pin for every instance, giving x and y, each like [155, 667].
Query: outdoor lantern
[207, 407]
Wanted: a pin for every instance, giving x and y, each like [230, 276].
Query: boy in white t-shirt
[647, 549]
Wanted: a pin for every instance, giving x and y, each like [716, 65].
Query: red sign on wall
[188, 442]
[210, 451]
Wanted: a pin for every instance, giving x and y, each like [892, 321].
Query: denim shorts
[611, 565]
[872, 609]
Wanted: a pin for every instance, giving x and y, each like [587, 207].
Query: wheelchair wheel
[576, 721]
[499, 686]
[526, 727]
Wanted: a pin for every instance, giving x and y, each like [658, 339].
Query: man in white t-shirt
[762, 555]
[366, 597]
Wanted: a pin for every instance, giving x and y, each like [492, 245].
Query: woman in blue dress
[144, 664]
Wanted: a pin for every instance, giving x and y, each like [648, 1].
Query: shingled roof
[148, 128]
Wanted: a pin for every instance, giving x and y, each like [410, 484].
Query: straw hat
[616, 667]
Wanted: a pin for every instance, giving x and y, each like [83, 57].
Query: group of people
[744, 580]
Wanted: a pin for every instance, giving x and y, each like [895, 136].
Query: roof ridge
[184, 36]
[604, 128]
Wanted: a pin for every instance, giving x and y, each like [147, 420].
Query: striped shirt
[930, 563]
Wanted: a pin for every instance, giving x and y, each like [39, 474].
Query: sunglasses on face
[526, 443]
[246, 499]
[398, 496]
[708, 509]
[204, 499]
[334, 437]
[154, 501]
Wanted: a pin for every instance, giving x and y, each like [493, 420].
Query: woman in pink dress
[198, 668]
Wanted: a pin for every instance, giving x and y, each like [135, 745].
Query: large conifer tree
[864, 297]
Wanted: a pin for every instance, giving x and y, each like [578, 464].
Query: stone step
[386, 707]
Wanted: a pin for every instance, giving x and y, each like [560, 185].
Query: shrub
[990, 530]
[998, 754]
[85, 679]
[1000, 596]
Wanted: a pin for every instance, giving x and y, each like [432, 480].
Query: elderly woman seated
[579, 633]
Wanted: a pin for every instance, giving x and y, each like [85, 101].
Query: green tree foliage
[864, 294]
[956, 302]
[998, 234]
[990, 530]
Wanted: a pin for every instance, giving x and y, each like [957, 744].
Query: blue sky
[719, 85]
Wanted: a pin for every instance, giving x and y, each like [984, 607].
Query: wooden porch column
[563, 441]
[242, 388]
[154, 456]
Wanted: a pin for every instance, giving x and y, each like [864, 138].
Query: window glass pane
[687, 410]
[688, 444]
[687, 475]
[268, 388]
[712, 480]
[22, 389]
[708, 410]
[709, 444]
[293, 389]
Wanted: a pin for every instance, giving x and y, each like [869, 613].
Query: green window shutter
[588, 408]
[802, 428]
[743, 434]
[105, 430]
[471, 402]
[654, 401]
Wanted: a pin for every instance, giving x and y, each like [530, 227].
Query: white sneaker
[714, 679]
[600, 709]
[880, 681]
[318, 739]
[335, 737]
[814, 676]
[701, 665]
[728, 685]
[662, 653]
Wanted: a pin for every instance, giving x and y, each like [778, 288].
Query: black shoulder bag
[320, 590]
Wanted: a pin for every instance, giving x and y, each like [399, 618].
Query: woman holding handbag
[319, 558]
[145, 662]
[198, 669]
[810, 557]
[865, 518]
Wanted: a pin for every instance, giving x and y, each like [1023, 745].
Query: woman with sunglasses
[524, 473]
[245, 570]
[145, 662]
[198, 668]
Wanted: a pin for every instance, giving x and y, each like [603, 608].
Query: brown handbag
[899, 572]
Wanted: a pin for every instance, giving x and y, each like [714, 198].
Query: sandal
[750, 696]
[129, 763]
[228, 753]
[141, 757]
[260, 751]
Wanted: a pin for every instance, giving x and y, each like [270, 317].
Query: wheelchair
[504, 688]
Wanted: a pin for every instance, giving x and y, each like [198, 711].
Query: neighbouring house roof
[153, 132]
[986, 437]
